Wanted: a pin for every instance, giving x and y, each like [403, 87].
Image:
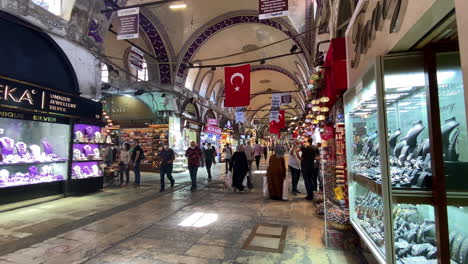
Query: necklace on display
[21, 148]
[7, 145]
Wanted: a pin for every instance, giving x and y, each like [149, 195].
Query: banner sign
[272, 8]
[128, 23]
[286, 99]
[213, 129]
[136, 58]
[212, 122]
[240, 117]
[275, 100]
[16, 94]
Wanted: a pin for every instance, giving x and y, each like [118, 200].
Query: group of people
[303, 159]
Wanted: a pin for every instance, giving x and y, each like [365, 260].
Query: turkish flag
[282, 120]
[237, 86]
[274, 127]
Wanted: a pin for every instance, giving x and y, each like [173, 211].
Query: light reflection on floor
[199, 220]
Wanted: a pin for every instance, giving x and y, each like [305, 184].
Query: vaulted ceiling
[209, 29]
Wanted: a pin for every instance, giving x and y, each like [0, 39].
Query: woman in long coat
[276, 173]
[239, 167]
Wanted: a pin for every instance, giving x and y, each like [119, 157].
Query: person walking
[294, 167]
[258, 154]
[137, 156]
[194, 156]
[249, 154]
[210, 158]
[265, 151]
[124, 164]
[227, 157]
[318, 179]
[308, 156]
[276, 173]
[239, 167]
[166, 157]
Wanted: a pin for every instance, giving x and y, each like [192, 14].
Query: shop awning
[336, 75]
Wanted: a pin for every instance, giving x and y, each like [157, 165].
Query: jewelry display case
[395, 185]
[29, 155]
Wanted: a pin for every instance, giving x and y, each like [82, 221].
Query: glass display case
[89, 149]
[30, 155]
[394, 153]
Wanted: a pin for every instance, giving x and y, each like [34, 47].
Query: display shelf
[32, 163]
[92, 143]
[369, 243]
[370, 184]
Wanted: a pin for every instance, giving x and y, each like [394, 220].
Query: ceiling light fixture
[178, 5]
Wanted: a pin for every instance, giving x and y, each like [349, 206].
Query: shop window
[104, 73]
[192, 77]
[205, 84]
[143, 73]
[60, 8]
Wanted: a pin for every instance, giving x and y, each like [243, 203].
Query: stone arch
[222, 22]
[161, 47]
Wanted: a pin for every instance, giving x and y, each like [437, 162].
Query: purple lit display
[34, 175]
[86, 152]
[21, 153]
[83, 170]
[87, 134]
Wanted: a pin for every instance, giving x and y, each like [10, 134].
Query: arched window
[215, 91]
[205, 84]
[59, 8]
[104, 73]
[302, 71]
[192, 77]
[143, 73]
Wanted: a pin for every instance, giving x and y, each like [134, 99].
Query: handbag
[266, 194]
[245, 181]
[228, 180]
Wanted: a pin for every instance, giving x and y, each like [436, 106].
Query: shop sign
[286, 99]
[15, 94]
[136, 58]
[212, 122]
[327, 134]
[128, 23]
[272, 8]
[33, 117]
[364, 32]
[213, 129]
[192, 125]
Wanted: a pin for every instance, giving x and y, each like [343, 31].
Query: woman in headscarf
[239, 167]
[276, 173]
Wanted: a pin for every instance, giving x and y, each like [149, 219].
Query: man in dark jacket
[194, 156]
[166, 157]
[309, 154]
[210, 158]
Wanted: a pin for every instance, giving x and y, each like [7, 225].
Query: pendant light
[324, 109]
[325, 99]
[321, 117]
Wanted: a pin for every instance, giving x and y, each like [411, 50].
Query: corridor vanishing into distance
[142, 226]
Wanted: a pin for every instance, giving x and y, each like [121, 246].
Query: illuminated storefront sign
[15, 94]
[213, 129]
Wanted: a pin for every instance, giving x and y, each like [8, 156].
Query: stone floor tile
[204, 251]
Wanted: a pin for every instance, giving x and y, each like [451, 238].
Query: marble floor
[140, 226]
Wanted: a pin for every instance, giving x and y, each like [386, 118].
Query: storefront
[191, 123]
[405, 116]
[141, 117]
[39, 143]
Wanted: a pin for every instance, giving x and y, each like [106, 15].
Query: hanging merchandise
[237, 90]
[128, 23]
[286, 99]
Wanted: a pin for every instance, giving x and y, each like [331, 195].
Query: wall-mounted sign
[136, 58]
[128, 23]
[36, 98]
[212, 122]
[213, 129]
[364, 30]
[272, 8]
[192, 125]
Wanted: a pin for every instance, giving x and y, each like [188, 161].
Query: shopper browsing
[137, 156]
[167, 157]
[294, 167]
[308, 156]
[210, 158]
[227, 156]
[258, 153]
[194, 156]
[124, 163]
[249, 153]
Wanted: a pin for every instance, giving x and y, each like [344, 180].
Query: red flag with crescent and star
[237, 86]
[282, 120]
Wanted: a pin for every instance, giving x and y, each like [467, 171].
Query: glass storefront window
[364, 161]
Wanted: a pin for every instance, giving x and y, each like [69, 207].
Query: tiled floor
[143, 226]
